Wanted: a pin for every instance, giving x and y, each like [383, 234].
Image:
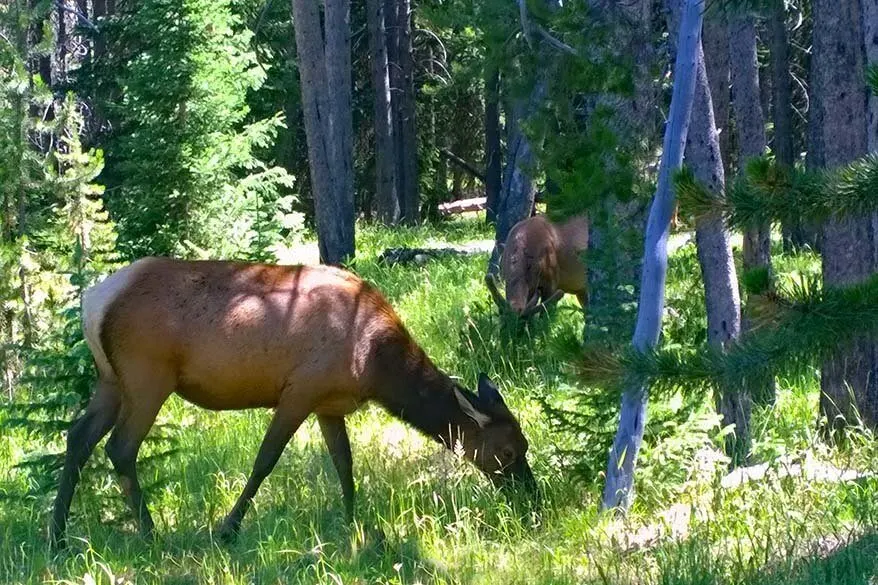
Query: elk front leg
[287, 418]
[336, 436]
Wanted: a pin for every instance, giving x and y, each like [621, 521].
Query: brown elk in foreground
[301, 340]
[541, 261]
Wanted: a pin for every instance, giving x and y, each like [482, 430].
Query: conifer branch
[793, 329]
[770, 193]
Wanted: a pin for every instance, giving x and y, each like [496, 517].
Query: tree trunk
[870, 36]
[517, 194]
[715, 43]
[493, 164]
[717, 262]
[99, 10]
[794, 234]
[385, 179]
[619, 489]
[750, 126]
[324, 71]
[838, 136]
[407, 139]
[749, 123]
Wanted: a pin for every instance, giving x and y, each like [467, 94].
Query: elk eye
[508, 454]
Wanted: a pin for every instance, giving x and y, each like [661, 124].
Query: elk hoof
[57, 541]
[227, 532]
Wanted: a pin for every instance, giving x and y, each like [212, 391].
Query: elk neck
[414, 390]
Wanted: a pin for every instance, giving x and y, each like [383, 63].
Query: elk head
[497, 446]
[520, 302]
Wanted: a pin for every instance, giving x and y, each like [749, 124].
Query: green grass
[425, 517]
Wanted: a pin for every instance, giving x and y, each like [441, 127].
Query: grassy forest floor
[424, 516]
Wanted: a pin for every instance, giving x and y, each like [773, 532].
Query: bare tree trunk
[385, 179]
[715, 257]
[517, 195]
[838, 136]
[870, 33]
[493, 165]
[715, 43]
[794, 235]
[324, 71]
[750, 126]
[619, 489]
[615, 230]
[99, 10]
[749, 123]
[407, 138]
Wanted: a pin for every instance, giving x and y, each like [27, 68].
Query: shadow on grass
[852, 563]
[693, 562]
[296, 533]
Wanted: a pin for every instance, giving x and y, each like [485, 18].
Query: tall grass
[425, 517]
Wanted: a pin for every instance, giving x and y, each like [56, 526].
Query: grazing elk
[541, 261]
[301, 340]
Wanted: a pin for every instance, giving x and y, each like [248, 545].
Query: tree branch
[480, 175]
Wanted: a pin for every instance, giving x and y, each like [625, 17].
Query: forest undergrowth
[423, 516]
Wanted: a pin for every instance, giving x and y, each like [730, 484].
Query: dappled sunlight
[423, 515]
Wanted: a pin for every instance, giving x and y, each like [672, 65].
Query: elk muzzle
[517, 478]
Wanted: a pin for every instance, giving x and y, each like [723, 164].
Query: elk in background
[300, 340]
[541, 261]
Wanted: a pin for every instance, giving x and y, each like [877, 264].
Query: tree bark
[715, 45]
[328, 122]
[407, 138]
[714, 248]
[838, 136]
[385, 177]
[517, 194]
[795, 235]
[619, 489]
[750, 126]
[749, 123]
[493, 164]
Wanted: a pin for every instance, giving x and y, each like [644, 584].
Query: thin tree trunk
[385, 180]
[838, 136]
[99, 10]
[61, 44]
[750, 125]
[715, 42]
[619, 489]
[794, 235]
[870, 34]
[325, 71]
[712, 239]
[517, 194]
[408, 136]
[493, 164]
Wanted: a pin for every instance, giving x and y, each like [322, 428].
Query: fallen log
[462, 206]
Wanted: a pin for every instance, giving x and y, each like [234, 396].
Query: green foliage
[770, 193]
[423, 516]
[181, 168]
[793, 329]
[77, 245]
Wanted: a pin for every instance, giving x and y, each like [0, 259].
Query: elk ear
[489, 394]
[470, 410]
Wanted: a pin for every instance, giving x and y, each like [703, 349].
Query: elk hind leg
[141, 402]
[82, 438]
[335, 435]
